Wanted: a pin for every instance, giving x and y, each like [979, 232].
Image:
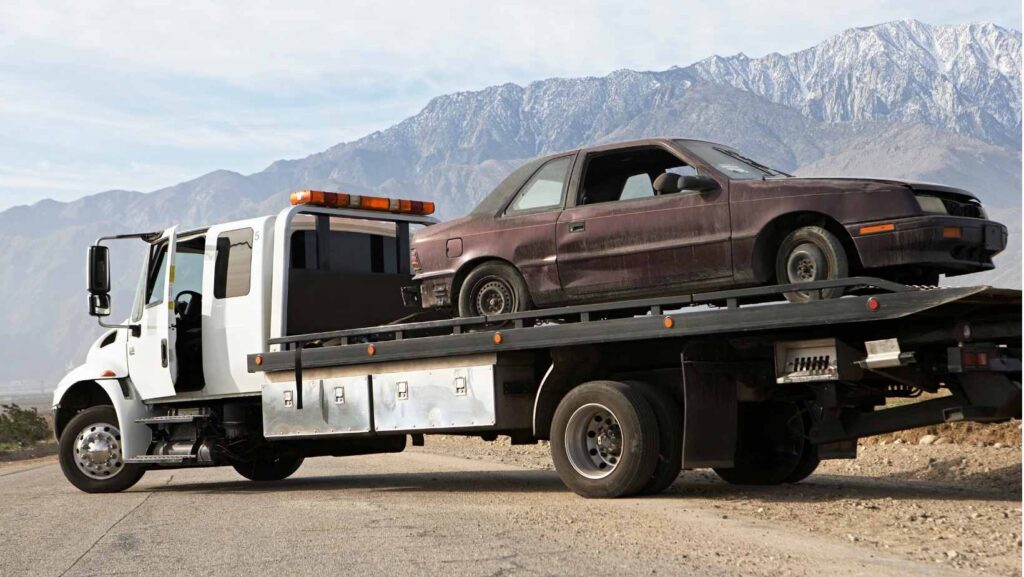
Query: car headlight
[931, 204]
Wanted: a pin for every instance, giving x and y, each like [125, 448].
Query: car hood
[852, 182]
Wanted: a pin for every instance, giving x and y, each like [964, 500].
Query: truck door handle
[578, 226]
[163, 353]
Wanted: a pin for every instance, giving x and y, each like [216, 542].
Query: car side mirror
[699, 183]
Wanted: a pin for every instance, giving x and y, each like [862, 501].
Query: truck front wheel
[604, 440]
[90, 453]
[269, 467]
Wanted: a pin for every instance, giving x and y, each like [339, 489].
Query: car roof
[496, 199]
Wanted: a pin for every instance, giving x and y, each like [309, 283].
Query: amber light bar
[345, 200]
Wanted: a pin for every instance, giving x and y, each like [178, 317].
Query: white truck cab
[207, 298]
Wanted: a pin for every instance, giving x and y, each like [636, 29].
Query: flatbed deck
[732, 312]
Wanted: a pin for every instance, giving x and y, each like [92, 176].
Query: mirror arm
[135, 328]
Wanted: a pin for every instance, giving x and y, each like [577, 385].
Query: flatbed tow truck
[282, 345]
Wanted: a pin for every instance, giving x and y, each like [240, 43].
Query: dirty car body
[590, 225]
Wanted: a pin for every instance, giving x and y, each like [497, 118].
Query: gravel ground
[955, 505]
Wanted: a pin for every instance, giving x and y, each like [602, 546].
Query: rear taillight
[414, 260]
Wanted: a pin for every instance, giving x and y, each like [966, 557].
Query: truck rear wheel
[772, 447]
[604, 440]
[269, 467]
[90, 453]
[670, 438]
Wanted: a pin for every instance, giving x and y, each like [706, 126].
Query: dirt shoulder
[957, 505]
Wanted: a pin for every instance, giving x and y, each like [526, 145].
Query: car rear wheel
[493, 288]
[811, 254]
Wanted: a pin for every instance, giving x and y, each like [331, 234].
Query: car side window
[544, 190]
[628, 174]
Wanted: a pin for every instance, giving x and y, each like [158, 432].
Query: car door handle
[578, 226]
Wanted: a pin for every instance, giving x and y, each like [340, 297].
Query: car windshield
[730, 162]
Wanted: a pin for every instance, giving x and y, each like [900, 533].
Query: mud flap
[709, 415]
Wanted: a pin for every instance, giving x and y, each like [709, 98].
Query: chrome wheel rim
[494, 297]
[594, 441]
[98, 451]
[806, 263]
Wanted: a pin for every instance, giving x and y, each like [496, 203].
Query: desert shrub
[20, 426]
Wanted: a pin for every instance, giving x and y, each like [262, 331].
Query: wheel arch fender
[767, 241]
[468, 266]
[80, 390]
[569, 367]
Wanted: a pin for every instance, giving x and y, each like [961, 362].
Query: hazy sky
[97, 95]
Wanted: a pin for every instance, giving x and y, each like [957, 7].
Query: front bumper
[929, 242]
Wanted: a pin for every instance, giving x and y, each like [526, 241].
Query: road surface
[413, 513]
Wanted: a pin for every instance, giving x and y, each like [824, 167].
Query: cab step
[160, 459]
[170, 419]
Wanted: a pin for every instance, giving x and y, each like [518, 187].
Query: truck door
[236, 289]
[151, 354]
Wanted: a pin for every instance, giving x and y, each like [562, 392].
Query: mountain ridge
[459, 145]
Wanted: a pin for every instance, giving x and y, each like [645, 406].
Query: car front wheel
[493, 288]
[811, 254]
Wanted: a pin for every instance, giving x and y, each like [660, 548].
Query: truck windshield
[730, 162]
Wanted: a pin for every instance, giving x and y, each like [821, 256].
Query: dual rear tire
[613, 439]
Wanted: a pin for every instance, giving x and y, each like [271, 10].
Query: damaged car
[667, 215]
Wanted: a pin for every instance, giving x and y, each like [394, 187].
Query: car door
[524, 233]
[640, 242]
[151, 353]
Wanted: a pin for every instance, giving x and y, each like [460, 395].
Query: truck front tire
[604, 440]
[269, 467]
[90, 453]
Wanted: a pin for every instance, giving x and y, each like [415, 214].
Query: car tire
[493, 288]
[670, 439]
[604, 440]
[269, 467]
[809, 254]
[96, 428]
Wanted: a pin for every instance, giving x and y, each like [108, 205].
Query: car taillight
[414, 260]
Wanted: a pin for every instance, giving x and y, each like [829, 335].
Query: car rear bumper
[435, 291]
[946, 244]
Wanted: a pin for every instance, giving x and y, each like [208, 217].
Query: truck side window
[155, 276]
[233, 267]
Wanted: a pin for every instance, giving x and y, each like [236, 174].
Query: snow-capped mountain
[904, 99]
[965, 77]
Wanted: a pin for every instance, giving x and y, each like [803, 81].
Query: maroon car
[659, 216]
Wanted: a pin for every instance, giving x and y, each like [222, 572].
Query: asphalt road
[404, 514]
